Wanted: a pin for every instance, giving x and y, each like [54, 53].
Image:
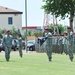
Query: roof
[30, 27]
[5, 10]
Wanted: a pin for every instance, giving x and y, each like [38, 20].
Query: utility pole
[26, 24]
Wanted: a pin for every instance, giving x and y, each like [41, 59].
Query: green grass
[36, 64]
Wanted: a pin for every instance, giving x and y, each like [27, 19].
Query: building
[32, 28]
[10, 18]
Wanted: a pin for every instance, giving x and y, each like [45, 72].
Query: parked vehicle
[23, 44]
[31, 45]
[1, 47]
[14, 45]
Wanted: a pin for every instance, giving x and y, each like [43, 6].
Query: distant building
[10, 18]
[32, 28]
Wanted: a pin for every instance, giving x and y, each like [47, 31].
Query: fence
[57, 45]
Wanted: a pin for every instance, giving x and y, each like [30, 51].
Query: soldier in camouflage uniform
[7, 44]
[65, 43]
[48, 42]
[20, 45]
[74, 44]
[70, 45]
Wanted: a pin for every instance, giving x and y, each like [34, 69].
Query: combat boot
[71, 58]
[50, 58]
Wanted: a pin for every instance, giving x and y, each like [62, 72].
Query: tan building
[10, 18]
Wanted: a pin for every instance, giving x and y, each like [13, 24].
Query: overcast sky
[35, 15]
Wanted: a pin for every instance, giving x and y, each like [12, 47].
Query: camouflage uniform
[49, 45]
[70, 45]
[61, 48]
[7, 44]
[74, 44]
[20, 45]
[65, 41]
[65, 45]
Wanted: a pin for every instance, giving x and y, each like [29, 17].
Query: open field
[36, 64]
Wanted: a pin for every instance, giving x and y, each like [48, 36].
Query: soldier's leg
[49, 52]
[74, 48]
[6, 54]
[20, 51]
[70, 52]
[9, 50]
[65, 49]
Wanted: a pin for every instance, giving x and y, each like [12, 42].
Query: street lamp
[26, 23]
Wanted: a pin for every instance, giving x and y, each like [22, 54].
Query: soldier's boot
[7, 59]
[21, 55]
[50, 58]
[71, 58]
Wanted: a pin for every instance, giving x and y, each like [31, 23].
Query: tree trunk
[71, 23]
[71, 20]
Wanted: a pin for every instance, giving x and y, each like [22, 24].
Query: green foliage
[36, 64]
[2, 32]
[23, 34]
[61, 28]
[38, 32]
[14, 32]
[59, 7]
[63, 8]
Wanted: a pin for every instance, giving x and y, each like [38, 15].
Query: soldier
[48, 44]
[7, 44]
[20, 44]
[74, 44]
[70, 45]
[65, 43]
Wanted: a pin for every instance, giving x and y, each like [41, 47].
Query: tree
[61, 28]
[14, 32]
[63, 8]
[38, 33]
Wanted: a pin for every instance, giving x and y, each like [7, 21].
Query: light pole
[26, 23]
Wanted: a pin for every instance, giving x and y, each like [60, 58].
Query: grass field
[36, 64]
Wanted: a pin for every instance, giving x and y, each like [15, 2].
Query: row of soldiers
[68, 43]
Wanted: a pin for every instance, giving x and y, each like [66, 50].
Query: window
[10, 20]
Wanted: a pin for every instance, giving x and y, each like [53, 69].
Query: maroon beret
[46, 29]
[7, 31]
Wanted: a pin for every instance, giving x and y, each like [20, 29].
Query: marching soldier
[74, 44]
[70, 45]
[48, 44]
[20, 44]
[7, 44]
[65, 43]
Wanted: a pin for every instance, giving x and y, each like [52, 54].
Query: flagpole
[26, 23]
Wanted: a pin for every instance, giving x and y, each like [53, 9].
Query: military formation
[69, 43]
[67, 40]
